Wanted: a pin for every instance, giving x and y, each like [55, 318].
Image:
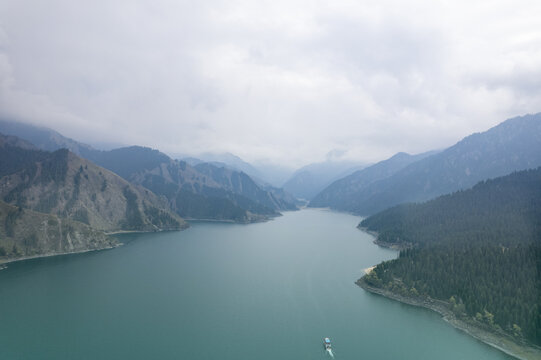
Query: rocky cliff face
[240, 183]
[68, 186]
[26, 233]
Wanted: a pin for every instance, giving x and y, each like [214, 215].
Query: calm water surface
[221, 291]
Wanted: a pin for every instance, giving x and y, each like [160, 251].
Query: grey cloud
[279, 82]
[526, 82]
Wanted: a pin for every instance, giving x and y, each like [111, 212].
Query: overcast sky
[283, 81]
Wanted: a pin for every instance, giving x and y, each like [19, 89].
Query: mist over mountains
[309, 180]
[510, 146]
[340, 194]
[213, 180]
[44, 138]
[209, 190]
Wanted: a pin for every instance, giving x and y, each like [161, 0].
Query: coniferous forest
[478, 249]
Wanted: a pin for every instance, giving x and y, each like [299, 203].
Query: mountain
[63, 184]
[195, 162]
[343, 193]
[44, 138]
[309, 180]
[242, 184]
[510, 146]
[273, 174]
[285, 200]
[224, 160]
[478, 250]
[196, 195]
[26, 233]
[15, 142]
[203, 191]
[290, 202]
[17, 153]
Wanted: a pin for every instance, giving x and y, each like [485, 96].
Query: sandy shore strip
[368, 270]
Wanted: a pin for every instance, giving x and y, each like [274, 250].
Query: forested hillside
[478, 249]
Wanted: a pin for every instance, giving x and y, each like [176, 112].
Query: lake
[222, 291]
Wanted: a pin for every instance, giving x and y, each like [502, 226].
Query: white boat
[327, 343]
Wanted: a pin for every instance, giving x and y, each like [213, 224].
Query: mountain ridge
[341, 193]
[200, 191]
[514, 144]
[309, 180]
[197, 195]
[66, 185]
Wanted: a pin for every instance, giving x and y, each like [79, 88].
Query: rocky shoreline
[500, 341]
[4, 262]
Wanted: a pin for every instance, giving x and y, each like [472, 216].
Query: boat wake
[330, 353]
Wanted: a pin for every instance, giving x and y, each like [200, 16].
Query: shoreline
[120, 232]
[225, 221]
[229, 221]
[502, 342]
[379, 242]
[368, 270]
[5, 262]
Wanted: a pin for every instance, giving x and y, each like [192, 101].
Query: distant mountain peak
[10, 140]
[512, 145]
[309, 180]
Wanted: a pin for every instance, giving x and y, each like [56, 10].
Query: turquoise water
[221, 291]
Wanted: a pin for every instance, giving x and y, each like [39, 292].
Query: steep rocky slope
[26, 233]
[68, 186]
